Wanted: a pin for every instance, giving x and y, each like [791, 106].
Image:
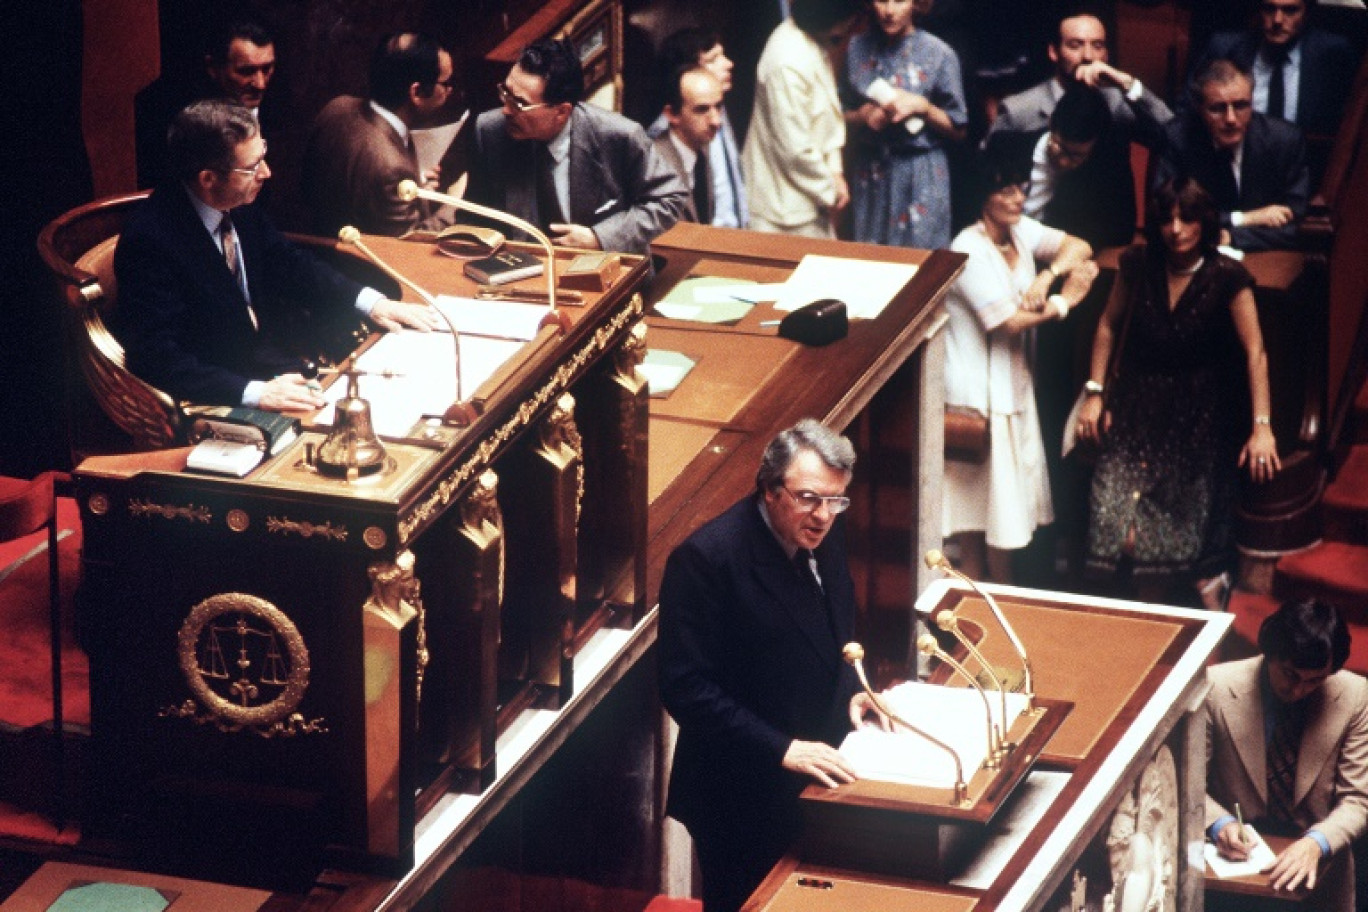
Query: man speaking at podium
[208, 286]
[754, 609]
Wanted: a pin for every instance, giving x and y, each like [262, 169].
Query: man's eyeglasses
[513, 101]
[1219, 108]
[809, 501]
[253, 170]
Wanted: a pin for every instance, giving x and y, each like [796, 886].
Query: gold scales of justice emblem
[247, 668]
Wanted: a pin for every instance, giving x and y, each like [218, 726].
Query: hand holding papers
[882, 92]
[1260, 857]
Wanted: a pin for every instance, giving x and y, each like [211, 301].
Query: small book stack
[233, 441]
[504, 267]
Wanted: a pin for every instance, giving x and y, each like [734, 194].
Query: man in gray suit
[359, 149]
[1079, 54]
[587, 177]
[694, 114]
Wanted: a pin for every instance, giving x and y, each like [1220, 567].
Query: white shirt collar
[558, 147]
[210, 216]
[393, 120]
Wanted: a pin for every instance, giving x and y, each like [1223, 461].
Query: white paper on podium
[954, 715]
[498, 319]
[866, 286]
[1260, 858]
[425, 383]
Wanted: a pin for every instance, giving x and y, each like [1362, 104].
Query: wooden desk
[1254, 893]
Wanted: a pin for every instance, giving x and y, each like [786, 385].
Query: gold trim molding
[306, 529]
[168, 511]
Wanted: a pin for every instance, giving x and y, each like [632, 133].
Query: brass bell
[353, 449]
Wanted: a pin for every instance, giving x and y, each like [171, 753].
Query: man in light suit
[1315, 68]
[209, 290]
[1287, 740]
[694, 112]
[587, 177]
[701, 47]
[359, 149]
[1253, 166]
[754, 609]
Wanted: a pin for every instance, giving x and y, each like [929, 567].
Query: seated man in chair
[208, 286]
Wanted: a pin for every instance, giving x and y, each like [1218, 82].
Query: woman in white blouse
[993, 507]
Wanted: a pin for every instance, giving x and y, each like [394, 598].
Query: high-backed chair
[109, 409]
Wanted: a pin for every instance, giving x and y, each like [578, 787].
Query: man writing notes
[209, 289]
[1287, 742]
[360, 149]
[754, 609]
[586, 177]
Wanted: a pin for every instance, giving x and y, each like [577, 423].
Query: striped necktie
[228, 239]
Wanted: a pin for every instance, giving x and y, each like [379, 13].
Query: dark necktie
[702, 189]
[228, 239]
[1277, 60]
[802, 560]
[548, 205]
[1282, 766]
[1226, 190]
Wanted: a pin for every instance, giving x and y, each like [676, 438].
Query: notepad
[1261, 858]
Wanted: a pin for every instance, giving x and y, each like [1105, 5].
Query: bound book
[503, 267]
[266, 432]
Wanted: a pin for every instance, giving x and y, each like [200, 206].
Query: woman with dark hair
[1177, 423]
[993, 507]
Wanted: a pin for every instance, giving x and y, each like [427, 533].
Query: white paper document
[866, 286]
[424, 382]
[953, 715]
[432, 144]
[498, 319]
[1261, 858]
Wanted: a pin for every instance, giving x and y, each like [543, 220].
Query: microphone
[460, 412]
[409, 190]
[949, 622]
[927, 646]
[853, 653]
[938, 561]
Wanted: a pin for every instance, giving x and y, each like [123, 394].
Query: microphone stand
[854, 656]
[938, 561]
[460, 412]
[927, 646]
[409, 190]
[949, 622]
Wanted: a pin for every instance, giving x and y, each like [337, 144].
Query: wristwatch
[1092, 388]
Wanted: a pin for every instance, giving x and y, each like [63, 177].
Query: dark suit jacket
[1331, 789]
[748, 662]
[619, 187]
[665, 148]
[1327, 72]
[1272, 171]
[353, 165]
[182, 318]
[1096, 200]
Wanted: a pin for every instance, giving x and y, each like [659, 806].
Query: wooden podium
[1126, 764]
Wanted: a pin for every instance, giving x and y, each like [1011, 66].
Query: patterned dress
[1165, 482]
[900, 181]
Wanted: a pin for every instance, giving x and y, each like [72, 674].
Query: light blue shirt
[1262, 71]
[730, 209]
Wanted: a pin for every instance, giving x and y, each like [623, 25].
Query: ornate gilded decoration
[629, 356]
[306, 529]
[167, 511]
[560, 444]
[374, 537]
[1142, 843]
[481, 520]
[396, 596]
[230, 653]
[99, 504]
[238, 520]
[526, 412]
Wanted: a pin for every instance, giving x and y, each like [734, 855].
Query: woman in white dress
[994, 507]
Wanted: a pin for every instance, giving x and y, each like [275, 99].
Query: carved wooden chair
[109, 409]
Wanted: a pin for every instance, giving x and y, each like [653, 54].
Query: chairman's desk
[505, 570]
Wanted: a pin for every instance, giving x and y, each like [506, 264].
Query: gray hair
[1217, 72]
[205, 137]
[809, 434]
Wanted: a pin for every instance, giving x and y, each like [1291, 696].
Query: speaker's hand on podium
[863, 708]
[395, 315]
[820, 761]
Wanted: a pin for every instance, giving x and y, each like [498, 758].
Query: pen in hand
[1239, 820]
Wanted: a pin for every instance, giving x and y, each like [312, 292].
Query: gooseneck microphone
[853, 653]
[927, 646]
[460, 412]
[938, 561]
[949, 622]
[409, 190]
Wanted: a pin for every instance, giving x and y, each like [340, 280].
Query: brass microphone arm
[927, 645]
[459, 412]
[949, 622]
[409, 190]
[854, 656]
[938, 561]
